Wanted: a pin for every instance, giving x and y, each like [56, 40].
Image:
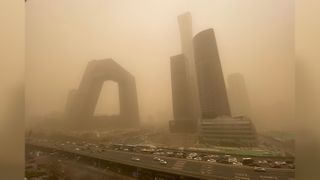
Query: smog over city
[166, 89]
[254, 40]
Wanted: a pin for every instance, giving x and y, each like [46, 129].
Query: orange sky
[255, 38]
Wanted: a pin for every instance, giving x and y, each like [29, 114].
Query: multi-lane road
[184, 167]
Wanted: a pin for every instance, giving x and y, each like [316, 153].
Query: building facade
[212, 90]
[82, 102]
[181, 99]
[229, 131]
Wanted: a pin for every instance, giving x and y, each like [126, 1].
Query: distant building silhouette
[70, 98]
[186, 36]
[82, 102]
[199, 95]
[182, 101]
[217, 126]
[211, 85]
[238, 95]
[183, 79]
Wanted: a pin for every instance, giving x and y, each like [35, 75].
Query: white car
[135, 159]
[259, 169]
[211, 160]
[163, 162]
[237, 163]
[189, 157]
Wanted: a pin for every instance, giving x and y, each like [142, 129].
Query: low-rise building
[226, 130]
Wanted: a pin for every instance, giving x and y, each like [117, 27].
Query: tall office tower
[182, 101]
[185, 27]
[212, 91]
[238, 95]
[183, 78]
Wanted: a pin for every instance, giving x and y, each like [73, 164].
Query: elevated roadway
[178, 166]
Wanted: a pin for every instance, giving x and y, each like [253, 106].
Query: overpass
[188, 169]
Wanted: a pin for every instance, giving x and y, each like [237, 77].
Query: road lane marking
[207, 169]
[268, 177]
[179, 165]
[241, 178]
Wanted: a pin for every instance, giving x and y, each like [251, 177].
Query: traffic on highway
[192, 163]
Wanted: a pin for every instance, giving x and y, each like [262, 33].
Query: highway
[184, 167]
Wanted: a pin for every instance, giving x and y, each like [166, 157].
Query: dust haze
[12, 54]
[255, 41]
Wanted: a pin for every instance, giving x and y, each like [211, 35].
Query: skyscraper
[212, 91]
[216, 125]
[180, 90]
[181, 99]
[83, 101]
[186, 35]
[238, 95]
[183, 79]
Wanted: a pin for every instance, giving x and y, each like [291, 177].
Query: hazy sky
[255, 38]
[12, 49]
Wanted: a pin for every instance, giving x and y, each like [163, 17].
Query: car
[237, 163]
[179, 155]
[100, 150]
[193, 155]
[276, 164]
[211, 160]
[247, 161]
[135, 159]
[159, 150]
[170, 154]
[53, 153]
[232, 160]
[163, 162]
[259, 169]
[291, 166]
[156, 158]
